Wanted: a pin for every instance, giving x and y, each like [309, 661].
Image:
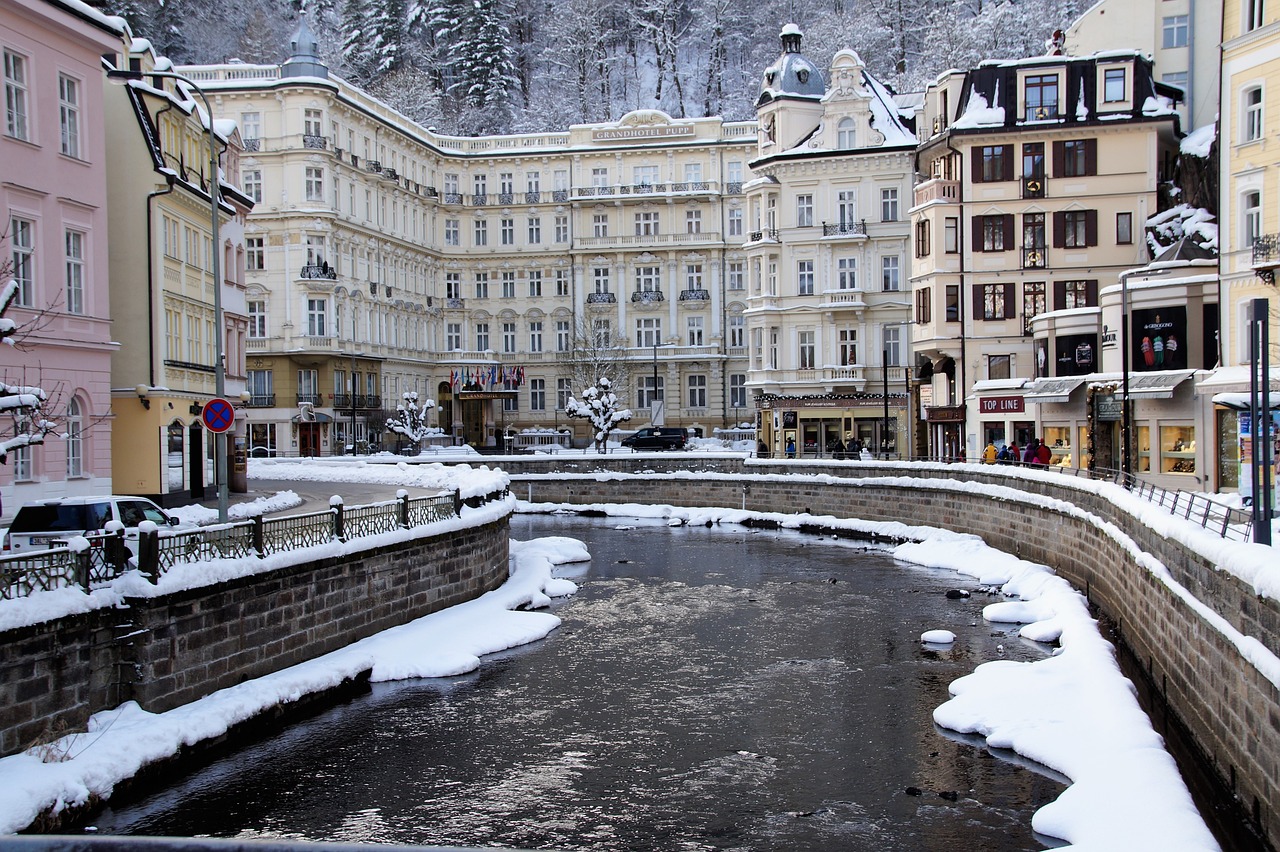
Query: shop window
[1058, 440]
[1177, 449]
[1083, 459]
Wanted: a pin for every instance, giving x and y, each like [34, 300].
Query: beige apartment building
[1037, 177]
[479, 272]
[829, 308]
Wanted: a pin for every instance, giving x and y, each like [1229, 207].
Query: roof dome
[304, 58]
[792, 73]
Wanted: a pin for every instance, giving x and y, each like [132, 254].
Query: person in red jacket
[1043, 454]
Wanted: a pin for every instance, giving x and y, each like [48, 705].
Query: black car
[657, 438]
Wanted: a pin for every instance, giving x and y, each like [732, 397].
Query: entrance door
[308, 439]
[195, 461]
[473, 417]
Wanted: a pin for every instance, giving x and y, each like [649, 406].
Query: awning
[1156, 386]
[320, 416]
[1053, 390]
[1240, 401]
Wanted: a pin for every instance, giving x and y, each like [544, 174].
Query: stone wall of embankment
[168, 650]
[1230, 707]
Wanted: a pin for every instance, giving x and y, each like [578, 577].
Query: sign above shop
[1001, 405]
[1107, 407]
[945, 414]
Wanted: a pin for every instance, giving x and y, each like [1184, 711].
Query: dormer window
[846, 134]
[1040, 94]
[1113, 87]
[803, 75]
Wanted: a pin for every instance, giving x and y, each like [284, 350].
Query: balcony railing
[318, 143]
[391, 174]
[844, 229]
[310, 399]
[533, 196]
[601, 299]
[1266, 257]
[320, 271]
[757, 236]
[343, 401]
[645, 297]
[683, 238]
[455, 303]
[642, 188]
[559, 195]
[1034, 257]
[698, 295]
[691, 186]
[733, 187]
[479, 199]
[505, 198]
[452, 198]
[373, 166]
[1033, 186]
[251, 145]
[938, 189]
[262, 400]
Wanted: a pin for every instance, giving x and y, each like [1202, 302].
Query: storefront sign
[1107, 407]
[1159, 339]
[491, 394]
[945, 414]
[623, 134]
[1001, 405]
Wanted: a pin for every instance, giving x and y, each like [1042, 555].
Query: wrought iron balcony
[262, 400]
[645, 297]
[455, 303]
[391, 174]
[1034, 257]
[318, 143]
[533, 196]
[769, 234]
[319, 271]
[429, 191]
[452, 198]
[733, 187]
[479, 199]
[845, 229]
[506, 198]
[373, 165]
[601, 299]
[1266, 257]
[252, 145]
[559, 195]
[698, 295]
[311, 398]
[691, 186]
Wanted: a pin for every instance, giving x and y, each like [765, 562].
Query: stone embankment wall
[1230, 707]
[166, 651]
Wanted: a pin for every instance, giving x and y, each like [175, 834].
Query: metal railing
[108, 556]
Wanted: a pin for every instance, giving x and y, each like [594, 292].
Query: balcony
[391, 174]
[252, 145]
[454, 303]
[1034, 257]
[759, 236]
[647, 297]
[1033, 186]
[937, 189]
[844, 229]
[691, 186]
[698, 295]
[373, 166]
[506, 198]
[262, 400]
[316, 143]
[700, 238]
[642, 189]
[319, 272]
[533, 196]
[479, 199]
[310, 399]
[559, 195]
[452, 197]
[733, 187]
[601, 299]
[1266, 257]
[844, 298]
[346, 402]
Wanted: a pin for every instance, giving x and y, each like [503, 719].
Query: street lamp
[219, 367]
[655, 411]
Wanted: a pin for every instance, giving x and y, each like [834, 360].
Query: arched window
[75, 439]
[845, 135]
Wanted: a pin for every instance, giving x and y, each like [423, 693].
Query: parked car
[43, 524]
[657, 438]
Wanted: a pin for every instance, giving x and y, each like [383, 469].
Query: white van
[43, 524]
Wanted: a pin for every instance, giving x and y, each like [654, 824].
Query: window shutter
[1091, 227]
[1059, 229]
[1059, 295]
[1009, 312]
[978, 310]
[975, 233]
[1091, 292]
[975, 157]
[1006, 158]
[1091, 158]
[1059, 158]
[1008, 232]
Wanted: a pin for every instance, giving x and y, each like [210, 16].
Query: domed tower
[304, 54]
[790, 102]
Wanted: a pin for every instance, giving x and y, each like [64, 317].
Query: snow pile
[885, 115]
[197, 515]
[1158, 105]
[120, 742]
[1171, 225]
[386, 469]
[978, 113]
[1198, 142]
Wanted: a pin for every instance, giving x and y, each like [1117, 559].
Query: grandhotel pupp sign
[642, 125]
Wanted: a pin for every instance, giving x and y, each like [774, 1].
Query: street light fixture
[219, 367]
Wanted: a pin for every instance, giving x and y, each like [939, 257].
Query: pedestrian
[791, 448]
[1003, 457]
[1029, 455]
[990, 453]
[1014, 458]
[1043, 454]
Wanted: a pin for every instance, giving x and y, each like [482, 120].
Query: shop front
[946, 431]
[834, 426]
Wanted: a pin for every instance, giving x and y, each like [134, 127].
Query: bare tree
[600, 406]
[594, 353]
[23, 407]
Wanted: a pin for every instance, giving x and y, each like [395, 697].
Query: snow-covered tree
[599, 405]
[594, 352]
[410, 419]
[23, 407]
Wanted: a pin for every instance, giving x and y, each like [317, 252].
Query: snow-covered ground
[1073, 711]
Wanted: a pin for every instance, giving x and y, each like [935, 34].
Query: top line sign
[640, 133]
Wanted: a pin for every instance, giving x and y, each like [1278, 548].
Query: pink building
[53, 213]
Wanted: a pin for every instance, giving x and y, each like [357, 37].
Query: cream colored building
[470, 270]
[1180, 36]
[829, 307]
[162, 282]
[1037, 177]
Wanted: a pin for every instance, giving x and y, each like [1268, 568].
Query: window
[600, 178]
[846, 134]
[600, 278]
[451, 184]
[1253, 15]
[649, 331]
[252, 180]
[250, 128]
[646, 224]
[506, 184]
[315, 184]
[644, 176]
[647, 278]
[535, 230]
[255, 253]
[847, 273]
[1175, 78]
[1075, 158]
[693, 276]
[601, 333]
[951, 235]
[22, 464]
[1033, 170]
[889, 205]
[1075, 294]
[562, 282]
[993, 301]
[1175, 30]
[535, 336]
[892, 346]
[737, 328]
[452, 233]
[1114, 85]
[647, 391]
[537, 394]
[508, 284]
[953, 302]
[480, 186]
[736, 274]
[453, 285]
[257, 318]
[1252, 130]
[737, 390]
[316, 310]
[806, 349]
[698, 391]
[1124, 228]
[848, 347]
[889, 273]
[735, 171]
[924, 305]
[480, 231]
[735, 222]
[804, 277]
[532, 181]
[562, 337]
[69, 114]
[562, 228]
[693, 172]
[311, 122]
[999, 366]
[1076, 228]
[15, 96]
[453, 336]
[1033, 303]
[482, 336]
[507, 229]
[73, 439]
[847, 207]
[804, 211]
[482, 285]
[22, 244]
[564, 390]
[693, 221]
[694, 329]
[994, 232]
[508, 337]
[258, 383]
[74, 241]
[992, 163]
[1041, 92]
[535, 283]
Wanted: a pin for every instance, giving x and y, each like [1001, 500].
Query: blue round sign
[218, 414]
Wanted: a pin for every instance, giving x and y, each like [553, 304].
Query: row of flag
[492, 375]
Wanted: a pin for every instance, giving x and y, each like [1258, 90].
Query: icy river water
[709, 689]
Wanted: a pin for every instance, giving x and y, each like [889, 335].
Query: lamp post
[219, 367]
[655, 413]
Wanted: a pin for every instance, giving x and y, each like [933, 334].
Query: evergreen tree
[485, 60]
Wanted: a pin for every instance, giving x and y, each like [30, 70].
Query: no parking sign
[218, 415]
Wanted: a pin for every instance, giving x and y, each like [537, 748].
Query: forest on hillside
[495, 66]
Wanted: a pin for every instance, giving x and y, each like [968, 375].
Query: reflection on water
[709, 689]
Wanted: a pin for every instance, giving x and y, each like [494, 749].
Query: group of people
[852, 449]
[1036, 453]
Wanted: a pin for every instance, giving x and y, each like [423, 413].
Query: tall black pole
[353, 400]
[1260, 420]
[884, 373]
[1126, 464]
